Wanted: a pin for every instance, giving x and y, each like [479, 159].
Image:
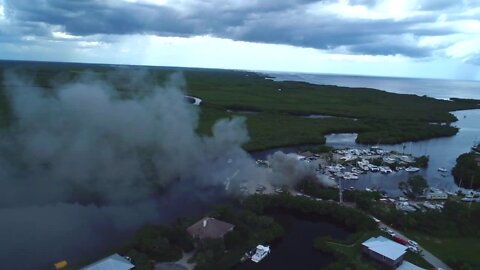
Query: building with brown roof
[209, 227]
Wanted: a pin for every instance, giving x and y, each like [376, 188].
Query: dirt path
[181, 264]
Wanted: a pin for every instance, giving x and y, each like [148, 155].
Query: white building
[385, 251]
[409, 266]
[113, 262]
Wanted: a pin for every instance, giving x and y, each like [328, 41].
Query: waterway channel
[442, 152]
[295, 250]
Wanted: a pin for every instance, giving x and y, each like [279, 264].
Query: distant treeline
[378, 116]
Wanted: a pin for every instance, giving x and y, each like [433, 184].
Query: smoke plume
[83, 163]
[288, 170]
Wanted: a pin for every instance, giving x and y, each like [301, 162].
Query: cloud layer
[416, 29]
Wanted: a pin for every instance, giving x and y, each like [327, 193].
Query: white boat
[412, 169]
[260, 253]
[374, 168]
[385, 170]
[429, 205]
[389, 160]
[468, 198]
[357, 171]
[442, 169]
[350, 176]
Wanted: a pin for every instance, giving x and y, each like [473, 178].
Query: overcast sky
[411, 38]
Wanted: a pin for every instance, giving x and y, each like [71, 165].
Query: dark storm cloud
[327, 33]
[278, 22]
[100, 17]
[390, 49]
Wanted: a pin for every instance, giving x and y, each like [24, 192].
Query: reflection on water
[443, 152]
[295, 250]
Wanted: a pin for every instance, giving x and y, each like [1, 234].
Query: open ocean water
[436, 88]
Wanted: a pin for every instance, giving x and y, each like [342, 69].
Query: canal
[295, 250]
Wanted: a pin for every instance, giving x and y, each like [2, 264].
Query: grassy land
[351, 249]
[382, 117]
[451, 250]
[451, 234]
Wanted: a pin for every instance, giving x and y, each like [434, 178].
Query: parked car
[412, 243]
[391, 233]
[413, 249]
[400, 240]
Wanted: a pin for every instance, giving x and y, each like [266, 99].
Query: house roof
[209, 228]
[385, 247]
[409, 266]
[113, 262]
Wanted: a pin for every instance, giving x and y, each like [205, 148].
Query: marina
[442, 154]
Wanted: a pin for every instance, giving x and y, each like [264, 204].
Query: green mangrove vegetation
[253, 224]
[348, 254]
[276, 111]
[414, 186]
[467, 170]
[440, 232]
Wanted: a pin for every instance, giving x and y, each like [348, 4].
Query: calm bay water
[295, 250]
[442, 89]
[443, 152]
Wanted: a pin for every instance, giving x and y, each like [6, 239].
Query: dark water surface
[295, 250]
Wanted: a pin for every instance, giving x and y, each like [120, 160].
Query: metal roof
[385, 247]
[409, 266]
[113, 262]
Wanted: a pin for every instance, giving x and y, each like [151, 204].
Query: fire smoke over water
[81, 164]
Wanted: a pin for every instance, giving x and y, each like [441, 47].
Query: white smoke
[287, 169]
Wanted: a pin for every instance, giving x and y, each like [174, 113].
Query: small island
[467, 170]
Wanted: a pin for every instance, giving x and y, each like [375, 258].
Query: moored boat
[441, 169]
[412, 169]
[260, 253]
